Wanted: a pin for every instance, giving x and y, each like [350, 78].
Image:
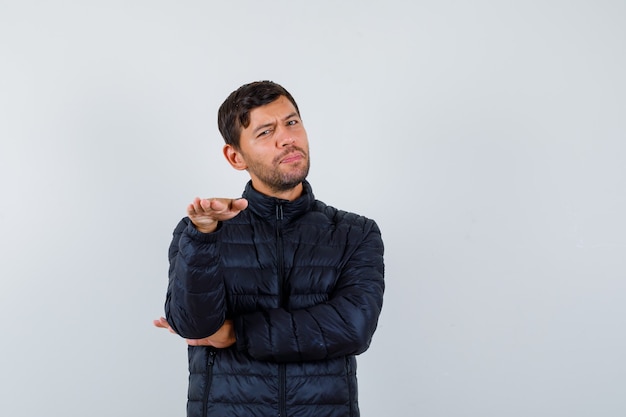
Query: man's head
[264, 135]
[234, 114]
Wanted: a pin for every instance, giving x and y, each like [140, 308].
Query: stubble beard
[278, 180]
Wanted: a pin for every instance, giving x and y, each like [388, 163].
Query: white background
[487, 139]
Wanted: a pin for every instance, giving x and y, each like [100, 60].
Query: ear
[234, 158]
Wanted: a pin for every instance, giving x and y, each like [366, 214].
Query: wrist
[204, 228]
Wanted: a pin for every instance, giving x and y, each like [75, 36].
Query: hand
[163, 324]
[205, 213]
[223, 338]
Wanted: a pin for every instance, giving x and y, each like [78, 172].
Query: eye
[264, 133]
[292, 122]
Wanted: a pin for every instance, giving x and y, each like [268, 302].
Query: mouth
[291, 157]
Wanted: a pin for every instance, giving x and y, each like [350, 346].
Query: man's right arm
[195, 303]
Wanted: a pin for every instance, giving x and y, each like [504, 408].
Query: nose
[285, 137]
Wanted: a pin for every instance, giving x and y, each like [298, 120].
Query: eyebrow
[266, 125]
[290, 115]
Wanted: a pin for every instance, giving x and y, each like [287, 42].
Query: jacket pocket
[352, 385]
[201, 363]
[210, 361]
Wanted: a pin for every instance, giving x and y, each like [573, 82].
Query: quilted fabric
[303, 283]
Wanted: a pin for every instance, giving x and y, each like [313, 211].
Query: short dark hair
[234, 113]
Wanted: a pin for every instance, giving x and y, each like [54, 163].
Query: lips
[292, 157]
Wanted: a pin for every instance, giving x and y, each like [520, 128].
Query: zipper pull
[212, 355]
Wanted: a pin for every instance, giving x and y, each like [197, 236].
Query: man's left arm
[344, 325]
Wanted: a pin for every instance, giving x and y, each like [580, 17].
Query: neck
[289, 195]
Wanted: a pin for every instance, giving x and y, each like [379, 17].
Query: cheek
[303, 139]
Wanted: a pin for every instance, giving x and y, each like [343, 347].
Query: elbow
[363, 329]
[193, 326]
[362, 342]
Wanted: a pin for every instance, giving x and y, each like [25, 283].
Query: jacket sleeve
[344, 325]
[195, 304]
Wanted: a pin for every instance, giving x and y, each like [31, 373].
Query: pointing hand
[206, 213]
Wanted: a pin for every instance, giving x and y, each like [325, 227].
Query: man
[275, 292]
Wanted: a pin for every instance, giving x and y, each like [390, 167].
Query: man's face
[274, 148]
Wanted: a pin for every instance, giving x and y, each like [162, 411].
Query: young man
[275, 292]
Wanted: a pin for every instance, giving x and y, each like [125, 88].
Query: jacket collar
[270, 207]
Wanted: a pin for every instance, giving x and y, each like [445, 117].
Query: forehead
[277, 109]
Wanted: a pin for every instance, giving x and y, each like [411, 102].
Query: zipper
[349, 378]
[282, 378]
[280, 255]
[282, 371]
[210, 360]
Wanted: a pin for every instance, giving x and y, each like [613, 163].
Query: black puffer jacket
[303, 283]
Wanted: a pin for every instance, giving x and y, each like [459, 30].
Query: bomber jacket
[303, 284]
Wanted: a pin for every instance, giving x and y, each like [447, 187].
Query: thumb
[239, 204]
